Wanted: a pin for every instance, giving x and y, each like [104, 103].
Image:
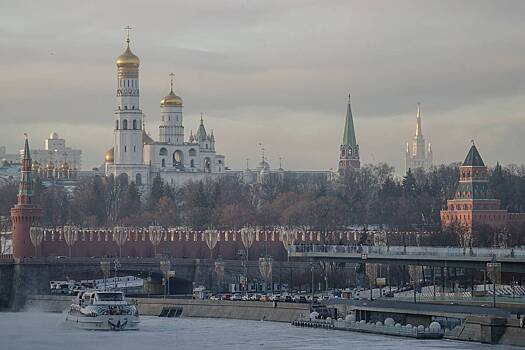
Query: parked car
[236, 297]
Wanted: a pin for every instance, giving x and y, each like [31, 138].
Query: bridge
[511, 259]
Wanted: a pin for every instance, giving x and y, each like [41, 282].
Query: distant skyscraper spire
[417, 156]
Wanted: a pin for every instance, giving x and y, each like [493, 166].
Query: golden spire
[171, 100]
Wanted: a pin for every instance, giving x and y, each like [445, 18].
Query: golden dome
[50, 165]
[128, 59]
[171, 100]
[110, 154]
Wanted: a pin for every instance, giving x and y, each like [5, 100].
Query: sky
[276, 73]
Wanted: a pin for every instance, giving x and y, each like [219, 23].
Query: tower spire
[349, 133]
[171, 81]
[128, 29]
[418, 120]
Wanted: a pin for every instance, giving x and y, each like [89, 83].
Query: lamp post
[120, 236]
[247, 238]
[105, 266]
[265, 268]
[494, 274]
[219, 270]
[165, 266]
[155, 236]
[70, 236]
[312, 285]
[36, 233]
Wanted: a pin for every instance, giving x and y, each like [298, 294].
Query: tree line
[370, 195]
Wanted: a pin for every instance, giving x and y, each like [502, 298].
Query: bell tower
[24, 213]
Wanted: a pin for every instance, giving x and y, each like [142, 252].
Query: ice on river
[46, 331]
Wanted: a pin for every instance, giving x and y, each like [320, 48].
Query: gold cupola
[171, 100]
[110, 155]
[128, 59]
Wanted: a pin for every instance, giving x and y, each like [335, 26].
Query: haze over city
[274, 72]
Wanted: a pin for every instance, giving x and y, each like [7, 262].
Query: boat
[102, 310]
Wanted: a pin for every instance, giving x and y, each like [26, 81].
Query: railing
[518, 253]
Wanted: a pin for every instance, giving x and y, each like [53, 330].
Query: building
[24, 214]
[418, 156]
[137, 157]
[264, 174]
[10, 158]
[55, 155]
[474, 205]
[349, 150]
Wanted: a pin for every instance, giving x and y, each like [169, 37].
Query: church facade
[417, 155]
[136, 156]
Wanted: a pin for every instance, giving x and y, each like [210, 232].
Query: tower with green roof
[349, 150]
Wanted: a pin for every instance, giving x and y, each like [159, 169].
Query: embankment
[284, 312]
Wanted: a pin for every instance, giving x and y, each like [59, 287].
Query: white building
[139, 158]
[10, 158]
[418, 156]
[55, 154]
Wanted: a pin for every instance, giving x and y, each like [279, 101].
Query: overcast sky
[276, 72]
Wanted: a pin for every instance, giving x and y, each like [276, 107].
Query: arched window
[163, 162]
[163, 152]
[134, 124]
[125, 124]
[138, 180]
[192, 163]
[192, 152]
[177, 158]
[116, 124]
[123, 179]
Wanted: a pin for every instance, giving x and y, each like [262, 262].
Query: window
[163, 152]
[192, 152]
[125, 148]
[192, 163]
[134, 149]
[163, 163]
[116, 124]
[134, 124]
[138, 179]
[125, 124]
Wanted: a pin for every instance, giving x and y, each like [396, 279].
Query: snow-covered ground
[45, 331]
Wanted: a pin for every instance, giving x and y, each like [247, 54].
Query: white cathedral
[139, 158]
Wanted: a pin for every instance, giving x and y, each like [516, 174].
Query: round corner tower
[24, 213]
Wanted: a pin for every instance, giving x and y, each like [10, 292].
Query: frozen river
[45, 331]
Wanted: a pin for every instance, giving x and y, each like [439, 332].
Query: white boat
[103, 310]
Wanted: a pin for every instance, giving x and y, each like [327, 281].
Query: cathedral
[418, 156]
[136, 156]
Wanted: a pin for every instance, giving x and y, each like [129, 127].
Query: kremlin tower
[24, 213]
[418, 156]
[349, 150]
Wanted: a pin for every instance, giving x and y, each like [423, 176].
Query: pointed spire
[349, 133]
[27, 155]
[419, 131]
[171, 82]
[127, 28]
[202, 121]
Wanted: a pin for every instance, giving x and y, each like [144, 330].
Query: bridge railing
[410, 250]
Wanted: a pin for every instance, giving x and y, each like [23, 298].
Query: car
[215, 297]
[226, 297]
[264, 298]
[245, 297]
[288, 299]
[236, 297]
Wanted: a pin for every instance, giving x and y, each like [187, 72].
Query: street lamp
[70, 236]
[165, 266]
[36, 233]
[105, 266]
[312, 286]
[494, 274]
[120, 236]
[155, 236]
[219, 270]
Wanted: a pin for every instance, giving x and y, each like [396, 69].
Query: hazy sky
[276, 72]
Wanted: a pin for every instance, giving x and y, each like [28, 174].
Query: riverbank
[284, 312]
[485, 329]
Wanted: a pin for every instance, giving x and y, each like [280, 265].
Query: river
[46, 331]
